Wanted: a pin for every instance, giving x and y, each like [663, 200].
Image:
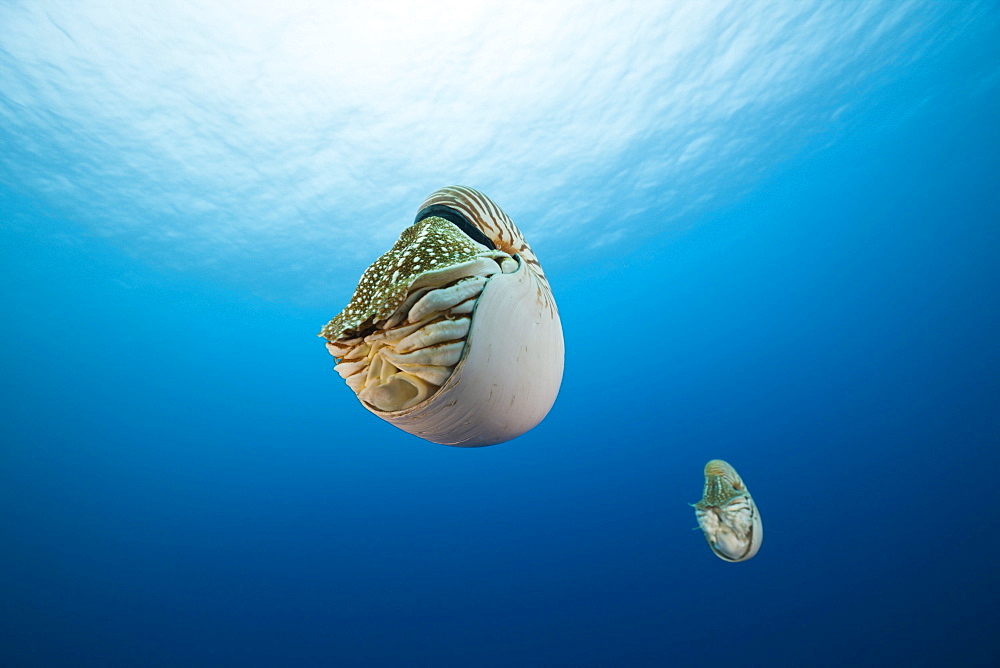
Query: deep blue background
[184, 479]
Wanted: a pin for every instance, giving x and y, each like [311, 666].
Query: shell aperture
[448, 338]
[728, 515]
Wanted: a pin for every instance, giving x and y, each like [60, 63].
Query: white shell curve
[450, 339]
[728, 515]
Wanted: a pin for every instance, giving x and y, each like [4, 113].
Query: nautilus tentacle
[728, 515]
[453, 335]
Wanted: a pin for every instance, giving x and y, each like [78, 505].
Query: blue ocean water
[810, 294]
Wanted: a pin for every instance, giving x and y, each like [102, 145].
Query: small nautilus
[453, 335]
[727, 514]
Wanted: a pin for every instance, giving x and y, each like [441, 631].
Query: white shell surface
[453, 338]
[728, 515]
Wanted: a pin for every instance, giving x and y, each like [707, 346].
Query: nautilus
[728, 515]
[453, 335]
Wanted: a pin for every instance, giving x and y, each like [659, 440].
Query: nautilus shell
[727, 514]
[453, 335]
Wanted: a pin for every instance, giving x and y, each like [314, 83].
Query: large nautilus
[453, 335]
[727, 514]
